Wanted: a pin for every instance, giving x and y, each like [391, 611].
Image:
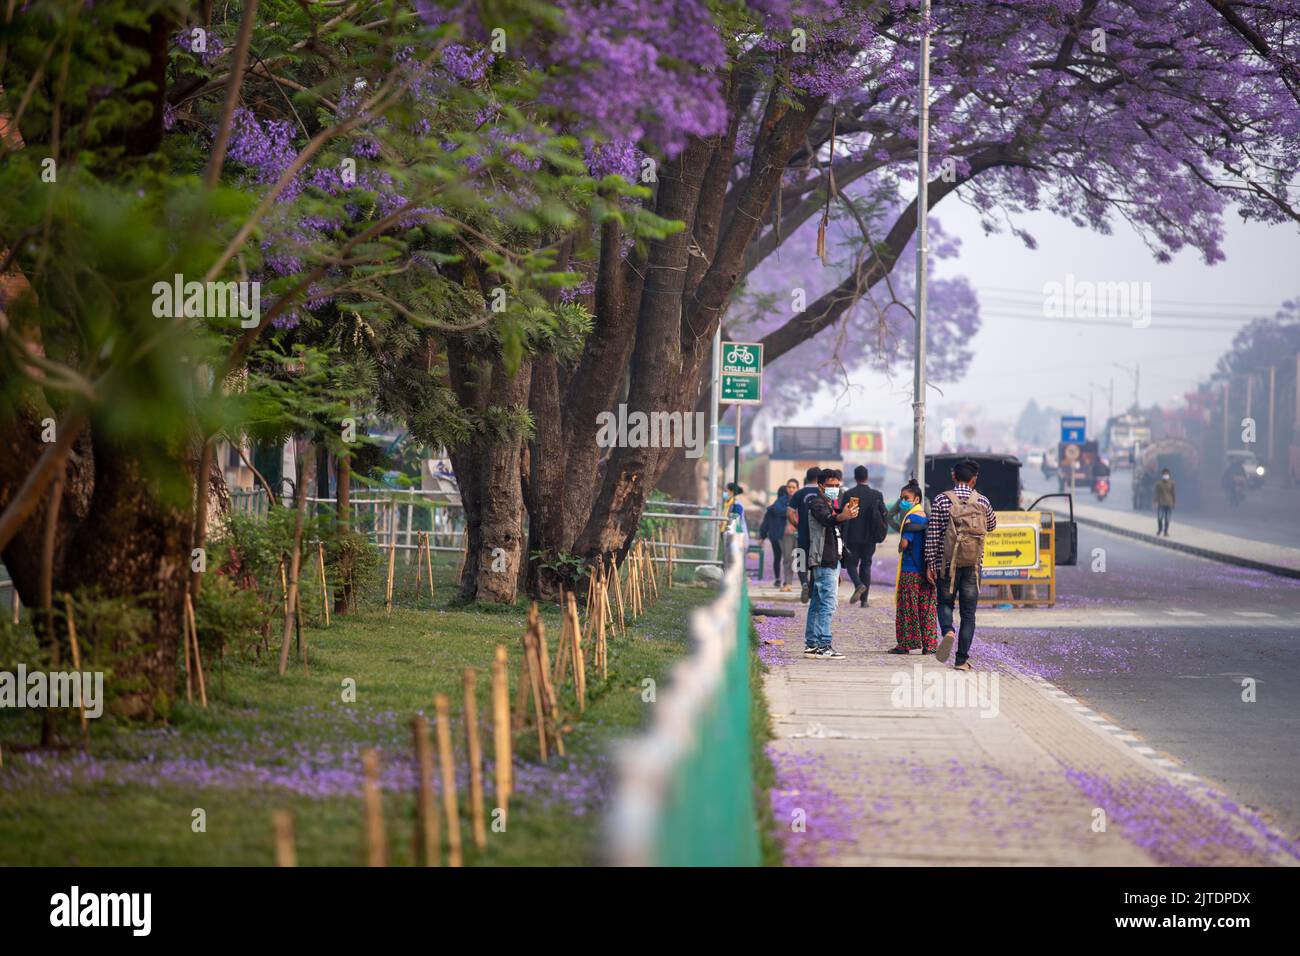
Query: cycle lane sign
[741, 373]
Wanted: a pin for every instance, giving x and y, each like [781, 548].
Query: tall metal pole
[714, 504]
[922, 247]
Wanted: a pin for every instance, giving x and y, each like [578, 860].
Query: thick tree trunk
[501, 539]
[134, 545]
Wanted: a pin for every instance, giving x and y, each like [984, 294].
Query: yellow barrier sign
[1011, 546]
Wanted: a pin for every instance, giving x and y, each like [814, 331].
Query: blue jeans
[825, 588]
[966, 596]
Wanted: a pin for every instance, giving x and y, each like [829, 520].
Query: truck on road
[1184, 465]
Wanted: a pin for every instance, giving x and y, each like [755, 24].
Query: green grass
[264, 738]
[760, 729]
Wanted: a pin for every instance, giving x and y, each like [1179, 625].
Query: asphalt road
[1160, 642]
[1270, 514]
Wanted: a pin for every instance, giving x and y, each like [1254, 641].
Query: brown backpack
[963, 543]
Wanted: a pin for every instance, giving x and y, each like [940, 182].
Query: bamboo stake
[501, 725]
[76, 657]
[376, 845]
[284, 588]
[426, 814]
[618, 595]
[548, 688]
[602, 655]
[535, 682]
[579, 666]
[392, 561]
[478, 827]
[419, 564]
[189, 668]
[672, 546]
[285, 853]
[428, 559]
[443, 707]
[198, 660]
[562, 652]
[324, 586]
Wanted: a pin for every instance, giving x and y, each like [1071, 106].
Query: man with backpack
[954, 552]
[863, 533]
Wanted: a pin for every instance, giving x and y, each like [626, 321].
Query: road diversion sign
[1011, 546]
[741, 373]
[1074, 428]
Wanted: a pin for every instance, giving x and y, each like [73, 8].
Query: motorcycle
[1101, 488]
[1237, 490]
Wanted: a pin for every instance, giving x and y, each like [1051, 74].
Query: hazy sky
[1021, 354]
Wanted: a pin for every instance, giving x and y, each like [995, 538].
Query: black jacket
[857, 533]
[826, 534]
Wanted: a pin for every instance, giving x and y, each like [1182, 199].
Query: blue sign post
[1074, 429]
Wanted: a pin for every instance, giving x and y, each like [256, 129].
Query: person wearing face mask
[824, 520]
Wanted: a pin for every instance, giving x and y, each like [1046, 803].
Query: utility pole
[922, 249]
[1272, 382]
[1110, 406]
[714, 504]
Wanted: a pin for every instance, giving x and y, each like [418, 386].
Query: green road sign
[742, 358]
[742, 373]
[742, 389]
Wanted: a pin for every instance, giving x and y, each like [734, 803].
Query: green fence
[686, 788]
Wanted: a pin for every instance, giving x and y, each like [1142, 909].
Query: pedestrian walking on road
[825, 518]
[1165, 498]
[954, 550]
[914, 599]
[791, 539]
[863, 533]
[772, 530]
[799, 501]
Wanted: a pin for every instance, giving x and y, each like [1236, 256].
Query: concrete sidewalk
[879, 763]
[1230, 549]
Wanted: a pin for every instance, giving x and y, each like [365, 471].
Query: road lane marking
[1255, 613]
[1185, 613]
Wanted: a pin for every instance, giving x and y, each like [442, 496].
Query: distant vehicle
[1084, 462]
[1034, 459]
[1251, 464]
[1101, 488]
[1125, 437]
[1184, 465]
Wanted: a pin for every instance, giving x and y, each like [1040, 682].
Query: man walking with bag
[954, 552]
[863, 533]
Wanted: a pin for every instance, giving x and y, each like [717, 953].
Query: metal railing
[685, 794]
[379, 514]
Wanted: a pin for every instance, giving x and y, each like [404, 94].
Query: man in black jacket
[862, 534]
[825, 515]
[799, 502]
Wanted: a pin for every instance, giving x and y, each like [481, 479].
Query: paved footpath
[889, 760]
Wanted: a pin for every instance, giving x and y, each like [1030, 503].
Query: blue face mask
[832, 493]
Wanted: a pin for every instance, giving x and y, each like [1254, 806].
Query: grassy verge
[760, 728]
[268, 742]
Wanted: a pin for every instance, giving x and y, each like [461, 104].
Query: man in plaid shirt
[965, 589]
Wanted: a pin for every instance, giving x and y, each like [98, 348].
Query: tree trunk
[134, 545]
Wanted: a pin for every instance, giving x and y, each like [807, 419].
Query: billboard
[863, 445]
[792, 442]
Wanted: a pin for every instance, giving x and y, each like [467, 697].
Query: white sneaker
[829, 654]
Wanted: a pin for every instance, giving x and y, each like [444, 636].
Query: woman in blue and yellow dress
[914, 596]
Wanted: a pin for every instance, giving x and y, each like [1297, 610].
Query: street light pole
[922, 247]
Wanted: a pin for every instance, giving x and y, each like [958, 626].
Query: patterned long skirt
[915, 624]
